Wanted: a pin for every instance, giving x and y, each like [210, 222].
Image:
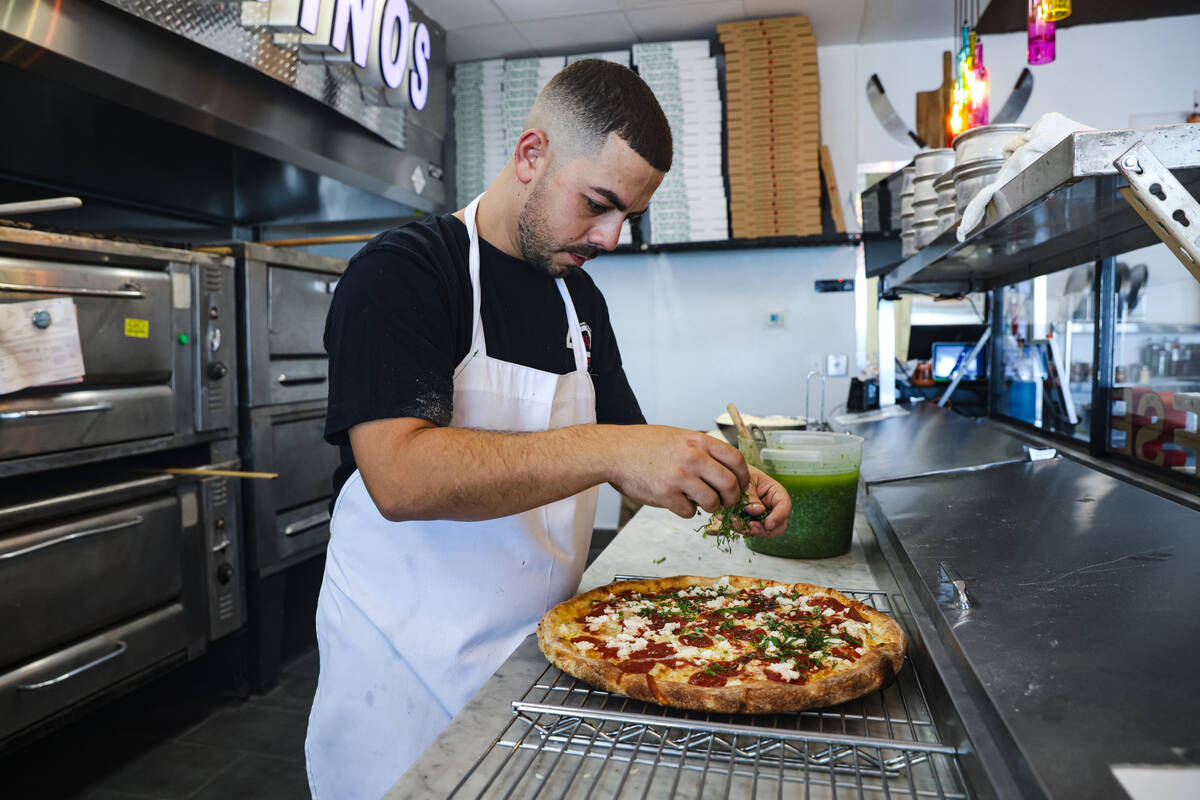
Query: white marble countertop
[652, 534]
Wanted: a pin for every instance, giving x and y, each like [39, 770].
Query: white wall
[693, 334]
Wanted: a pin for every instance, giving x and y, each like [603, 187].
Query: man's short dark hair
[602, 97]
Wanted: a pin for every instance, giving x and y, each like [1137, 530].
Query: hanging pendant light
[979, 89]
[1041, 35]
[1054, 10]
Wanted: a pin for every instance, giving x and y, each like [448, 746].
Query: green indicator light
[183, 338]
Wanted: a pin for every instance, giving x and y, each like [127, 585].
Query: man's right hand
[678, 469]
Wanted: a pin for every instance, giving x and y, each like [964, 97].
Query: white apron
[413, 617]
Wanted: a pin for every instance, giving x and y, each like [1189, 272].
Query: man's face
[576, 208]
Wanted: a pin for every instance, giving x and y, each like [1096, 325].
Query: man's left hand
[766, 495]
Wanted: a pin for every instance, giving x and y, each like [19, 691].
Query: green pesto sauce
[822, 518]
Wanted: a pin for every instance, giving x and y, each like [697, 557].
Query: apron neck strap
[478, 342]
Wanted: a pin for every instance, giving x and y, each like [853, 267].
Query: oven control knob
[217, 370]
[224, 573]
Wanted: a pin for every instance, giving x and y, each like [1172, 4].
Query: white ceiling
[506, 28]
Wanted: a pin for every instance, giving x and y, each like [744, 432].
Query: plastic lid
[813, 453]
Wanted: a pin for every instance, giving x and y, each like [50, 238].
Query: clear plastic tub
[820, 473]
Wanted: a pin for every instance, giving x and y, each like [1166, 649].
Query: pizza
[730, 644]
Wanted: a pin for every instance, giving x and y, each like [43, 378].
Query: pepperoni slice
[854, 615]
[842, 651]
[640, 666]
[705, 679]
[658, 650]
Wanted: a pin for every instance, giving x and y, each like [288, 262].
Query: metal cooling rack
[569, 740]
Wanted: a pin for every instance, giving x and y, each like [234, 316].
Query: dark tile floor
[184, 735]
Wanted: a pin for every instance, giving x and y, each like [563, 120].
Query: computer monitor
[947, 355]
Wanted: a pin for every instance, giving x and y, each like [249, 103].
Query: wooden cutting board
[933, 107]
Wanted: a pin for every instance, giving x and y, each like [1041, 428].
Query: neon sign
[381, 36]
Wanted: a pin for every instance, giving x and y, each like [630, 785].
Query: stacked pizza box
[690, 205]
[479, 144]
[773, 120]
[523, 79]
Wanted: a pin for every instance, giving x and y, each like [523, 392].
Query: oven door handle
[308, 523]
[70, 537]
[54, 412]
[118, 651]
[129, 290]
[304, 377]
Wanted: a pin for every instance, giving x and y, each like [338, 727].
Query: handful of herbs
[730, 523]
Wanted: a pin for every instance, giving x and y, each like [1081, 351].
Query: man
[470, 358]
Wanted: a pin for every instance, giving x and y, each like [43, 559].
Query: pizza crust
[872, 671]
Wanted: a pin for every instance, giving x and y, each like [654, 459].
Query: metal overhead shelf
[1062, 210]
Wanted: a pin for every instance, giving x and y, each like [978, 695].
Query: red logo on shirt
[587, 341]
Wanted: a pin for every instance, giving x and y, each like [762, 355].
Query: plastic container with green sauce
[820, 472]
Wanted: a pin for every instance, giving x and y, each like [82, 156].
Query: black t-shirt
[400, 323]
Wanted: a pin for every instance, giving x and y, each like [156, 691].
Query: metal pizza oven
[110, 570]
[157, 332]
[283, 296]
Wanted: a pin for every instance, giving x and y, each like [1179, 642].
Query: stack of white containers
[523, 79]
[480, 144]
[928, 166]
[908, 236]
[978, 156]
[690, 205]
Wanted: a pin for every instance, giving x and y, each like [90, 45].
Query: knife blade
[887, 115]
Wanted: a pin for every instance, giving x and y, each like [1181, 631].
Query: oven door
[66, 579]
[298, 302]
[127, 337]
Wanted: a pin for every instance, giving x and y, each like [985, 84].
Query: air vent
[214, 279]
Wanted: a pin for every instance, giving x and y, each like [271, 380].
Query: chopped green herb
[729, 524]
[660, 560]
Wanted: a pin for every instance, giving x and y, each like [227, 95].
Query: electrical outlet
[776, 319]
[836, 365]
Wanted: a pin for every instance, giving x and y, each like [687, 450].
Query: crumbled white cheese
[723, 581]
[670, 627]
[785, 671]
[733, 683]
[629, 648]
[624, 637]
[584, 646]
[828, 612]
[634, 623]
[772, 591]
[715, 603]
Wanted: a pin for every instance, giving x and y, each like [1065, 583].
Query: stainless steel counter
[1077, 650]
[929, 439]
[1083, 632]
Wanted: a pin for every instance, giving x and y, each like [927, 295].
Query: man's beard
[535, 242]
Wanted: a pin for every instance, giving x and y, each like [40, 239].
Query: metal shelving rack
[569, 740]
[1069, 207]
[1062, 210]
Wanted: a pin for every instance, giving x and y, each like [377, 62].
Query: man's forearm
[461, 474]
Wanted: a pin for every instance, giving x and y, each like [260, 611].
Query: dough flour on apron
[413, 617]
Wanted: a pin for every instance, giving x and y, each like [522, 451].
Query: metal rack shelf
[1062, 210]
[567, 739]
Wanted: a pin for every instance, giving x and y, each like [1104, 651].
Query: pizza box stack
[523, 79]
[480, 151]
[690, 205]
[774, 126]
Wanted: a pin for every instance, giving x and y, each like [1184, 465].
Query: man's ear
[533, 154]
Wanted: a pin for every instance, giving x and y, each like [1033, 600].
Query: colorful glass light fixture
[969, 95]
[1041, 28]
